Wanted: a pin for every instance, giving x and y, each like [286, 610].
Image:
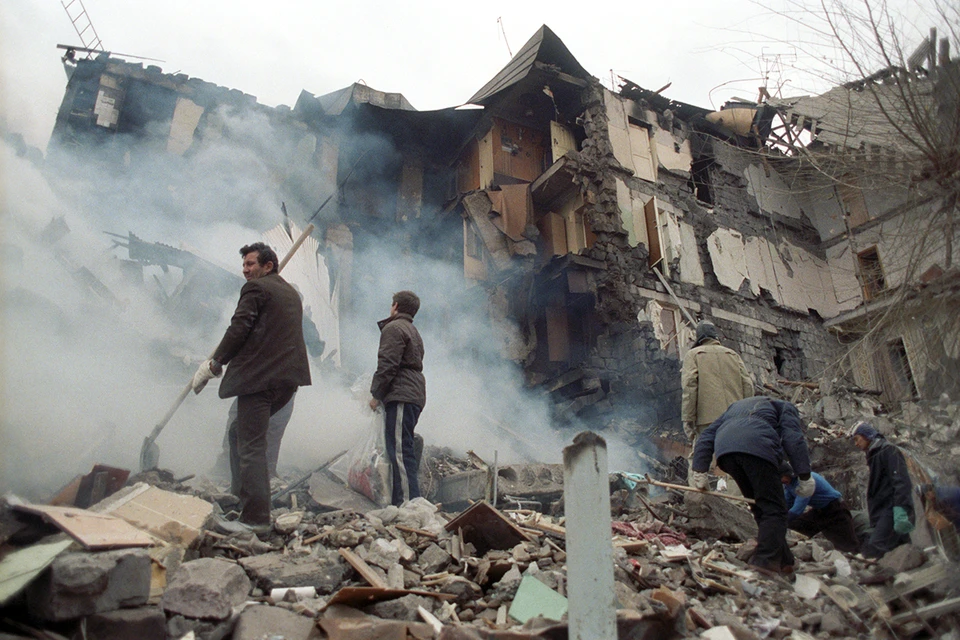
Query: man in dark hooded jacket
[889, 492]
[399, 385]
[750, 439]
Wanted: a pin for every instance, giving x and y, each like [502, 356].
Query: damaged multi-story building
[597, 226]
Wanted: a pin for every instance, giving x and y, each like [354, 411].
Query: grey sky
[435, 53]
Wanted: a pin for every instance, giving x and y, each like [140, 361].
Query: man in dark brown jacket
[267, 362]
[400, 386]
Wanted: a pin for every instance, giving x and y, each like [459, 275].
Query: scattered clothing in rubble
[400, 386]
[749, 440]
[827, 513]
[649, 531]
[889, 492]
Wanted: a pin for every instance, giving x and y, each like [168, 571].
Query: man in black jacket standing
[889, 492]
[750, 439]
[266, 362]
[399, 385]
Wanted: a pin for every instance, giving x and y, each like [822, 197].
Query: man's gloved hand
[208, 370]
[901, 521]
[806, 487]
[700, 481]
[690, 431]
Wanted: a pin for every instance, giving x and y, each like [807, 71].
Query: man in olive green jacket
[713, 377]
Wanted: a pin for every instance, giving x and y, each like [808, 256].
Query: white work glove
[208, 370]
[805, 488]
[700, 481]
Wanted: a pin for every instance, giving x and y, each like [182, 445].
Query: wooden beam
[930, 611]
[365, 571]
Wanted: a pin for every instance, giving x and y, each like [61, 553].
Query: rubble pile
[419, 571]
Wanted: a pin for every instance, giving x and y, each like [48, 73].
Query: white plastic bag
[368, 470]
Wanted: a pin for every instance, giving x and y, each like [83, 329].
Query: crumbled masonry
[416, 572]
[587, 230]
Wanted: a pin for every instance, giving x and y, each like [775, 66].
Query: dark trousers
[277, 426]
[883, 538]
[401, 420]
[250, 479]
[834, 521]
[760, 480]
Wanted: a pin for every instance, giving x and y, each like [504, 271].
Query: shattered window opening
[900, 364]
[871, 273]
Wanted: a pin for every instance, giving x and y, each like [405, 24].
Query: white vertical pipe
[592, 608]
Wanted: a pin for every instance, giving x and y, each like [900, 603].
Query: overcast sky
[435, 53]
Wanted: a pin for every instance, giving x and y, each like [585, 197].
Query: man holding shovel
[266, 362]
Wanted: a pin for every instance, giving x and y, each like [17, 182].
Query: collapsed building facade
[595, 227]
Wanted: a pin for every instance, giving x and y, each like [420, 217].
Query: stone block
[404, 608]
[433, 559]
[143, 623]
[903, 558]
[381, 553]
[262, 621]
[181, 627]
[206, 588]
[85, 583]
[464, 590]
[324, 571]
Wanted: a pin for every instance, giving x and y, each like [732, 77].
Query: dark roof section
[334, 103]
[543, 47]
[685, 111]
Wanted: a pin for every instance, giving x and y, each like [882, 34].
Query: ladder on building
[83, 26]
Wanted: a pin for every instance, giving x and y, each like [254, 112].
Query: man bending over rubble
[266, 362]
[827, 513]
[750, 439]
[399, 385]
[889, 492]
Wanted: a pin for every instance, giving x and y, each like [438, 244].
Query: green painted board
[20, 567]
[537, 599]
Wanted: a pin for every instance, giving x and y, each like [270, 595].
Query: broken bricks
[666, 578]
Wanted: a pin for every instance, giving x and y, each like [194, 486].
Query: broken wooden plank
[486, 528]
[631, 546]
[907, 583]
[419, 532]
[92, 530]
[943, 607]
[548, 528]
[362, 568]
[363, 596]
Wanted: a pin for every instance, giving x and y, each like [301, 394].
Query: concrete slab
[83, 583]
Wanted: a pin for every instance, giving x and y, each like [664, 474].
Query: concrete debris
[321, 569]
[143, 623]
[83, 583]
[679, 567]
[208, 588]
[258, 622]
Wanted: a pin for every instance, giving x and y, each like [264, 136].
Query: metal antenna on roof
[504, 32]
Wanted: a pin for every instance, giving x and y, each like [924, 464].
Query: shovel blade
[149, 455]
